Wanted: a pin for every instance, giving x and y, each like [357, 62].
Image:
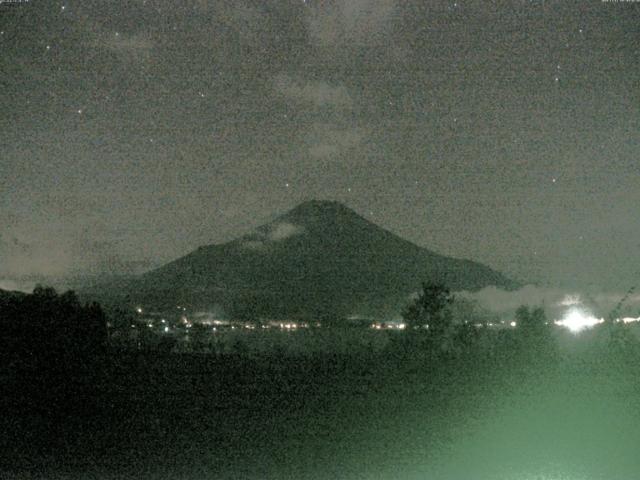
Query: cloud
[326, 141]
[555, 301]
[128, 46]
[54, 249]
[317, 93]
[17, 286]
[350, 22]
[276, 232]
[282, 231]
[26, 257]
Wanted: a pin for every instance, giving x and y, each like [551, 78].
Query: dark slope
[319, 258]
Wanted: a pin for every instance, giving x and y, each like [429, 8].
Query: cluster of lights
[576, 320]
[288, 326]
[388, 326]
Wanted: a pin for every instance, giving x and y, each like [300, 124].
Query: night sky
[505, 132]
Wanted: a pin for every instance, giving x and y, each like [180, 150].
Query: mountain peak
[322, 205]
[322, 214]
[320, 208]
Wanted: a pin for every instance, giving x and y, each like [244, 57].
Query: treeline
[435, 328]
[45, 330]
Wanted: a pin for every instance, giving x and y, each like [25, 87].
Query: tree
[531, 320]
[535, 333]
[431, 309]
[53, 345]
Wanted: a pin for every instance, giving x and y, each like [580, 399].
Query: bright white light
[630, 320]
[166, 329]
[513, 324]
[576, 320]
[139, 310]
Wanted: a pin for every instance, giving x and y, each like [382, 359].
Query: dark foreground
[476, 415]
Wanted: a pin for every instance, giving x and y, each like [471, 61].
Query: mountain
[319, 259]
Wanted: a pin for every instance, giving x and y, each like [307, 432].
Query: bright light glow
[513, 324]
[630, 320]
[570, 300]
[577, 320]
[139, 310]
[166, 329]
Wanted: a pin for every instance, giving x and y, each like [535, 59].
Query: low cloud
[22, 258]
[276, 232]
[9, 284]
[555, 301]
[54, 250]
[282, 231]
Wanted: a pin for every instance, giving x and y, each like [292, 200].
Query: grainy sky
[507, 132]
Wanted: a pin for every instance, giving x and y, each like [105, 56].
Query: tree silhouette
[534, 334]
[47, 330]
[531, 320]
[430, 310]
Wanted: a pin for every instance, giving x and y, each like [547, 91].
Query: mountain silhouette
[320, 259]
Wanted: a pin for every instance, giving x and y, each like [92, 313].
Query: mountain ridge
[320, 258]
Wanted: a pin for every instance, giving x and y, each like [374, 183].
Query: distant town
[203, 330]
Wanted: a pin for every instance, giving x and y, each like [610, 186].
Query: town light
[577, 320]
